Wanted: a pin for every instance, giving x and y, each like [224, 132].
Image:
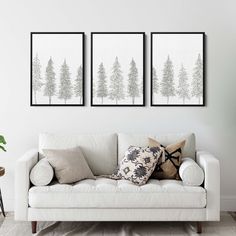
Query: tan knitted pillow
[170, 160]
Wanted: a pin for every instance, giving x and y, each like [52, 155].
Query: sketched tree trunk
[141, 86]
[94, 89]
[183, 86]
[116, 85]
[50, 85]
[155, 84]
[78, 87]
[37, 79]
[167, 83]
[102, 91]
[65, 87]
[133, 90]
[197, 81]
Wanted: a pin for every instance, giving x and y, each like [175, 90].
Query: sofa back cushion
[100, 150]
[125, 140]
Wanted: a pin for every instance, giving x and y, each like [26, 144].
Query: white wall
[214, 125]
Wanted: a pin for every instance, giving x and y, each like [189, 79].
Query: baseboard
[228, 203]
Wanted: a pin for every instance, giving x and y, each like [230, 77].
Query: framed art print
[177, 69]
[117, 69]
[57, 69]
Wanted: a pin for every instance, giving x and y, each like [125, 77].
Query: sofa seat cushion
[108, 193]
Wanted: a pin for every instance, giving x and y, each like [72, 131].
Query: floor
[226, 227]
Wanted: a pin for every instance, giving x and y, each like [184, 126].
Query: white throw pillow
[191, 173]
[138, 164]
[42, 173]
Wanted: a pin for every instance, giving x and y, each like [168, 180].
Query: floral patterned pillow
[138, 164]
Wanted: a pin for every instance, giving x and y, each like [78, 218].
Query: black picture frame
[143, 72]
[203, 69]
[83, 69]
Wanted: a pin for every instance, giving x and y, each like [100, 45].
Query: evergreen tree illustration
[50, 85]
[94, 89]
[116, 83]
[155, 85]
[78, 87]
[37, 79]
[102, 91]
[65, 87]
[197, 81]
[133, 90]
[167, 83]
[141, 86]
[183, 86]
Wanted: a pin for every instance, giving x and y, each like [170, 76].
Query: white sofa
[111, 200]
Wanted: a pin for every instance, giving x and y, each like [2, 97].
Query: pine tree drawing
[133, 89]
[155, 84]
[197, 81]
[94, 89]
[50, 85]
[102, 91]
[37, 79]
[65, 87]
[167, 83]
[116, 84]
[183, 86]
[78, 87]
[141, 86]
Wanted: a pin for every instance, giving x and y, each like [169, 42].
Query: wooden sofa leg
[34, 226]
[199, 227]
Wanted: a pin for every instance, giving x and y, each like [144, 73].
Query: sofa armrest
[211, 167]
[22, 183]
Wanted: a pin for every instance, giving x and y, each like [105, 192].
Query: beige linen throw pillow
[69, 164]
[170, 160]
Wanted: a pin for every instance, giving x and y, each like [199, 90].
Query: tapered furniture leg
[34, 226]
[1, 204]
[199, 227]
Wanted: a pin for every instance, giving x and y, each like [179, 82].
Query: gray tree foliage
[116, 84]
[155, 84]
[78, 87]
[167, 83]
[65, 87]
[94, 89]
[141, 86]
[102, 91]
[183, 86]
[50, 85]
[197, 81]
[133, 89]
[37, 79]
